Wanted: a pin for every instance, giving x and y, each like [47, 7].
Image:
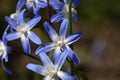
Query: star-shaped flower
[49, 70]
[60, 42]
[63, 11]
[22, 31]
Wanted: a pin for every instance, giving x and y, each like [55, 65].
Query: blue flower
[4, 49]
[35, 5]
[22, 31]
[49, 70]
[60, 42]
[63, 11]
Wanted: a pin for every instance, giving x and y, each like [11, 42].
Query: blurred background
[98, 48]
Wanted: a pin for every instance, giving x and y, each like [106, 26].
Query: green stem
[70, 32]
[70, 17]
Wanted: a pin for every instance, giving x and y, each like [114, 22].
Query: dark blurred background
[98, 49]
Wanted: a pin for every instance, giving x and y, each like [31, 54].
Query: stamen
[22, 30]
[59, 43]
[51, 74]
[30, 0]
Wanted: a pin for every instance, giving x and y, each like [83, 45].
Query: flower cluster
[19, 27]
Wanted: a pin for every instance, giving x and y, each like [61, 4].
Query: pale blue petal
[56, 4]
[11, 22]
[13, 36]
[60, 61]
[5, 69]
[73, 38]
[75, 3]
[34, 38]
[57, 17]
[20, 4]
[73, 56]
[25, 44]
[45, 60]
[65, 76]
[33, 22]
[66, 1]
[75, 16]
[64, 28]
[37, 68]
[21, 16]
[45, 48]
[42, 4]
[36, 11]
[29, 7]
[52, 33]
[4, 34]
[57, 53]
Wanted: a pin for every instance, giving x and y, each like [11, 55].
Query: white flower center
[2, 49]
[23, 30]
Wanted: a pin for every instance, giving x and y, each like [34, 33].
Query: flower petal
[45, 60]
[28, 5]
[25, 44]
[75, 16]
[13, 36]
[57, 53]
[20, 4]
[36, 11]
[5, 69]
[73, 38]
[75, 3]
[42, 3]
[33, 37]
[21, 16]
[45, 48]
[65, 76]
[52, 33]
[11, 22]
[64, 28]
[37, 68]
[73, 56]
[33, 22]
[59, 61]
[56, 4]
[4, 34]
[57, 17]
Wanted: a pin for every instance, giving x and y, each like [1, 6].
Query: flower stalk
[70, 31]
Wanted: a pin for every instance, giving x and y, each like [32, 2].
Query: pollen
[59, 43]
[51, 74]
[30, 0]
[22, 30]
